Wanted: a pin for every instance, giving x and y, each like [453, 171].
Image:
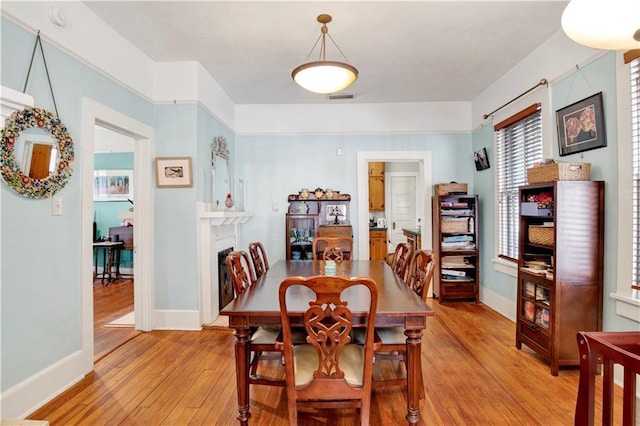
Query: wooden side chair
[420, 272]
[391, 342]
[401, 260]
[263, 339]
[332, 248]
[259, 258]
[240, 270]
[328, 371]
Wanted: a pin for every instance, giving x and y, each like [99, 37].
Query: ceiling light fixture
[611, 25]
[324, 76]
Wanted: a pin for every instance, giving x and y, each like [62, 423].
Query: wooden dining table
[398, 306]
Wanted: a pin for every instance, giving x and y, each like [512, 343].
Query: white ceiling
[405, 51]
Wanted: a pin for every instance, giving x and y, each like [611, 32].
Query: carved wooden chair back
[330, 371]
[401, 260]
[240, 270]
[420, 272]
[259, 258]
[332, 248]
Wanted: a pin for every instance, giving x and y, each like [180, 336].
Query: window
[634, 68]
[518, 146]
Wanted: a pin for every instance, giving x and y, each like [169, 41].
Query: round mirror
[36, 153]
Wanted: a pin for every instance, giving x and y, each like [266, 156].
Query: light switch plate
[57, 206]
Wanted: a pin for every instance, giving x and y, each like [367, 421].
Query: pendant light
[324, 76]
[611, 24]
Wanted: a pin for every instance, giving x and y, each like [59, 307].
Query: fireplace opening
[225, 286]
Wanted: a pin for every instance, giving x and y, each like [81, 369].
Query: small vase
[229, 201]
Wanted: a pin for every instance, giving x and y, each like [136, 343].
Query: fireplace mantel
[217, 230]
[222, 218]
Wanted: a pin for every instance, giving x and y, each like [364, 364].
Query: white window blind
[635, 143]
[519, 146]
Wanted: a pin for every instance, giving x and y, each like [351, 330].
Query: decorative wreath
[11, 172]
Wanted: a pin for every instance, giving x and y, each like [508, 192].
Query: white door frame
[423, 184]
[95, 113]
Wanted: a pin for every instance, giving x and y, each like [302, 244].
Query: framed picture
[581, 126]
[112, 185]
[173, 172]
[336, 212]
[481, 159]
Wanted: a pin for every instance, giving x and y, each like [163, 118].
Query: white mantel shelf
[224, 217]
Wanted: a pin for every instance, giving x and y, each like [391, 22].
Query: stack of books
[458, 242]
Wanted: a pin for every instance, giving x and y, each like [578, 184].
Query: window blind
[635, 143]
[519, 146]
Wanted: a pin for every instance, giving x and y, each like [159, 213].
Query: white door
[402, 206]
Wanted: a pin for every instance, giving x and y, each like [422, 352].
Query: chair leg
[254, 363]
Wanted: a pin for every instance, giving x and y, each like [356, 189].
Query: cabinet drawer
[458, 290]
[377, 234]
[335, 231]
[535, 334]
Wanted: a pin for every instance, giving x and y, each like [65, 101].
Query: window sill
[626, 306]
[505, 266]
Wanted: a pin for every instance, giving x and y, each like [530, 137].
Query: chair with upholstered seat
[332, 248]
[391, 342]
[262, 341]
[259, 258]
[328, 371]
[401, 259]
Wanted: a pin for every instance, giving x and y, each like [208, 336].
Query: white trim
[176, 320]
[424, 185]
[34, 392]
[499, 303]
[95, 113]
[626, 306]
[505, 266]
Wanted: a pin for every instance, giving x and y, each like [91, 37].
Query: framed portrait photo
[173, 172]
[581, 126]
[481, 159]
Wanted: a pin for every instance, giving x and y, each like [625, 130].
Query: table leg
[414, 372]
[242, 374]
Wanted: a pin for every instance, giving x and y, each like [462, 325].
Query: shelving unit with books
[560, 267]
[456, 246]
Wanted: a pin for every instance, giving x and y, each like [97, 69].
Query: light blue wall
[598, 76]
[275, 166]
[40, 305]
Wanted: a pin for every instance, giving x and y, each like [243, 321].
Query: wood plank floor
[473, 375]
[110, 302]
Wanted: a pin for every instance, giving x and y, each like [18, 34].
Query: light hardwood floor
[473, 375]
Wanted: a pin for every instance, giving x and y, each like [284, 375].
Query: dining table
[398, 306]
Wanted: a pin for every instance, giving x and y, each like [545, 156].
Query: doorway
[402, 193]
[95, 114]
[424, 190]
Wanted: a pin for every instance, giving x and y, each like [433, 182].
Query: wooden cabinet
[560, 267]
[376, 187]
[456, 245]
[310, 216]
[414, 238]
[377, 244]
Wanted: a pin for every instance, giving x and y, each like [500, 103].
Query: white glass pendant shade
[325, 76]
[611, 25]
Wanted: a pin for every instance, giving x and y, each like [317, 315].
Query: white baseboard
[26, 397]
[176, 320]
[499, 303]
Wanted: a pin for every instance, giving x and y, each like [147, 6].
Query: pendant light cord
[33, 54]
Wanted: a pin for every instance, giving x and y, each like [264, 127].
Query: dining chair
[259, 258]
[240, 270]
[401, 259]
[328, 371]
[336, 248]
[262, 341]
[391, 343]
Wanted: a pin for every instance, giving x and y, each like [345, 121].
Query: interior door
[402, 209]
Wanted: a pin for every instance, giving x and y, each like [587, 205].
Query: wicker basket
[454, 225]
[450, 188]
[542, 235]
[559, 171]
